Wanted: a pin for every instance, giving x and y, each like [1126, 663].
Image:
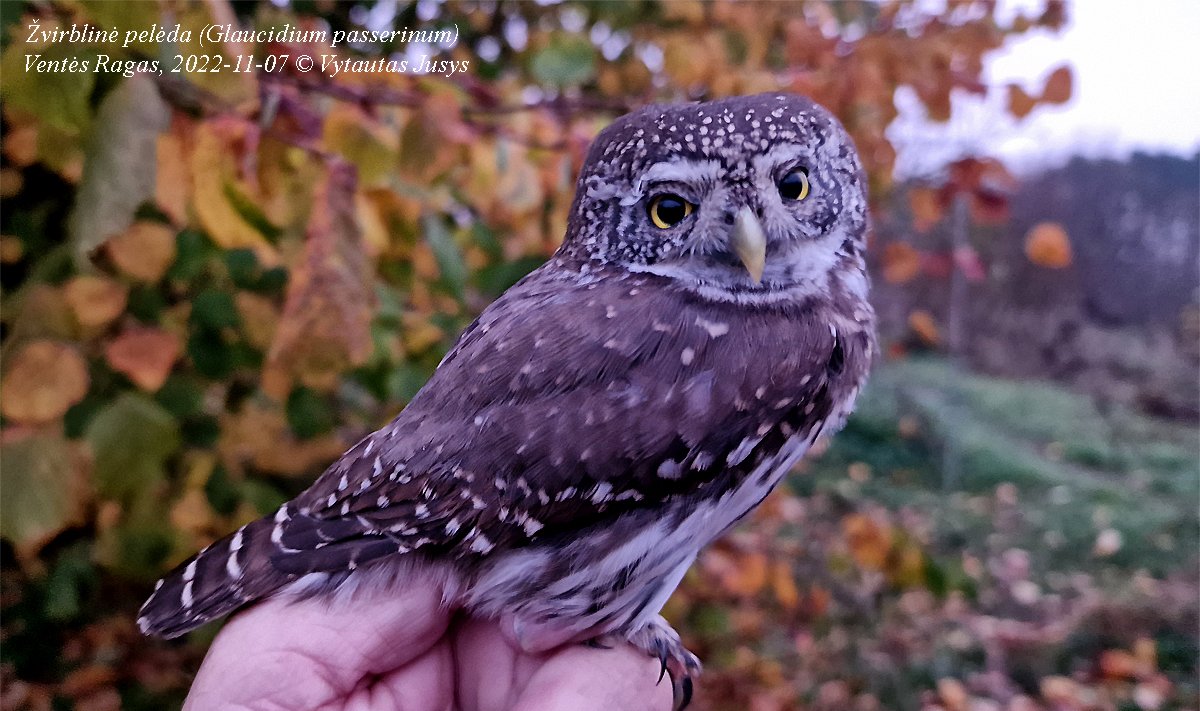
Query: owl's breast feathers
[566, 404]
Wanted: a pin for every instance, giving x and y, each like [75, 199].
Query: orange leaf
[1119, 664]
[748, 575]
[1058, 86]
[783, 583]
[95, 300]
[325, 325]
[1047, 245]
[901, 263]
[1020, 103]
[922, 323]
[172, 180]
[144, 355]
[954, 695]
[42, 381]
[144, 251]
[926, 208]
[869, 542]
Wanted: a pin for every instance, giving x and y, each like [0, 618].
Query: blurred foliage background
[215, 282]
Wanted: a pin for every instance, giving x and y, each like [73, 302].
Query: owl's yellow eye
[668, 210]
[794, 185]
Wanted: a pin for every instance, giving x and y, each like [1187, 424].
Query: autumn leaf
[144, 355]
[1047, 245]
[215, 182]
[42, 381]
[869, 542]
[144, 251]
[748, 575]
[325, 326]
[1058, 86]
[131, 438]
[783, 583]
[44, 488]
[121, 160]
[363, 141]
[172, 179]
[926, 208]
[1020, 103]
[901, 263]
[923, 324]
[96, 300]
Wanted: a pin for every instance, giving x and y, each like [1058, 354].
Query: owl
[704, 321]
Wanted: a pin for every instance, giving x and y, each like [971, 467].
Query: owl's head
[741, 197]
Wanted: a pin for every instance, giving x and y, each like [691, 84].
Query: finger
[583, 678]
[302, 653]
[495, 675]
[425, 684]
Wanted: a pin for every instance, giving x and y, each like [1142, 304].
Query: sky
[1137, 87]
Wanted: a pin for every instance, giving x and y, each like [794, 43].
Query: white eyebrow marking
[688, 172]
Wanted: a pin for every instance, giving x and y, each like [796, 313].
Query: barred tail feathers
[216, 581]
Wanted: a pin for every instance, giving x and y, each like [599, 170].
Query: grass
[938, 440]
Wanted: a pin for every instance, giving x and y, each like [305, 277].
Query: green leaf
[567, 60]
[71, 575]
[214, 310]
[222, 494]
[59, 98]
[192, 251]
[446, 252]
[119, 165]
[243, 267]
[307, 414]
[41, 493]
[131, 440]
[212, 357]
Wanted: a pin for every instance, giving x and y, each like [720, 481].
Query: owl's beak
[750, 243]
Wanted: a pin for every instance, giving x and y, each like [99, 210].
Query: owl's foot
[662, 642]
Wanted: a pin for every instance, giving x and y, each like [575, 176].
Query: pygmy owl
[703, 322]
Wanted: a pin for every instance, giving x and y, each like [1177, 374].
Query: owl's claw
[662, 642]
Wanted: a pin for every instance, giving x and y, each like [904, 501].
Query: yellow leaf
[144, 251]
[144, 355]
[192, 514]
[259, 318]
[361, 139]
[1047, 245]
[42, 381]
[213, 175]
[95, 300]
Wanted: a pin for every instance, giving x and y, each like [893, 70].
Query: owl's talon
[684, 689]
[663, 643]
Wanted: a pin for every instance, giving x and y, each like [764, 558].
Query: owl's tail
[224, 576]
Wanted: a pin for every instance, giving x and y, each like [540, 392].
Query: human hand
[403, 652]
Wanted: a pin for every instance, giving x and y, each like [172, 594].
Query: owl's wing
[566, 404]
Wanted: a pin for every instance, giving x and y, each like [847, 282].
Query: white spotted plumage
[611, 413]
